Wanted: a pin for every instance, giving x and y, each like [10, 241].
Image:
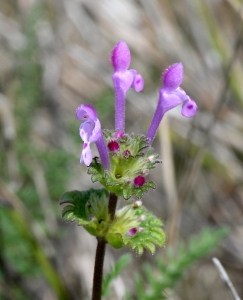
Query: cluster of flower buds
[125, 160]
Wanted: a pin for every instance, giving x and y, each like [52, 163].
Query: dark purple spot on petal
[190, 106]
[85, 145]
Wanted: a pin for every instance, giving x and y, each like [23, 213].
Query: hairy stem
[100, 253]
[98, 269]
[112, 205]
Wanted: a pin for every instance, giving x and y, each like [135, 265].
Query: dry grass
[200, 182]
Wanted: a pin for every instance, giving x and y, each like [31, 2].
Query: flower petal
[189, 108]
[85, 111]
[167, 101]
[96, 133]
[173, 76]
[86, 155]
[123, 81]
[138, 82]
[120, 57]
[85, 130]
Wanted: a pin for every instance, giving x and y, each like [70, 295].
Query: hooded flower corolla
[90, 131]
[123, 79]
[170, 96]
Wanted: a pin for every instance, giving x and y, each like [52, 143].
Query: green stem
[100, 253]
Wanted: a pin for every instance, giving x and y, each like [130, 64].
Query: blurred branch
[168, 169]
[238, 7]
[224, 276]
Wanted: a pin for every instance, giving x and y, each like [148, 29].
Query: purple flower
[170, 96]
[90, 131]
[123, 79]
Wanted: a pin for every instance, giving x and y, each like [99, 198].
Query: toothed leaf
[89, 208]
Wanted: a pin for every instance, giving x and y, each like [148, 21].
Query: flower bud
[139, 181]
[113, 146]
[137, 203]
[132, 231]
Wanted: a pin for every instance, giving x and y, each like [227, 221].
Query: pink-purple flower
[170, 96]
[90, 131]
[123, 79]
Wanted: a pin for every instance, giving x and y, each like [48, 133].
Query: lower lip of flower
[139, 181]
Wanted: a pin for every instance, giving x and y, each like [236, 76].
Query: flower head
[123, 79]
[170, 96]
[90, 131]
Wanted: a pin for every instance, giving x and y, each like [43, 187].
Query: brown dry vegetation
[56, 57]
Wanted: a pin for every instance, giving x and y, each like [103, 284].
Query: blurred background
[54, 56]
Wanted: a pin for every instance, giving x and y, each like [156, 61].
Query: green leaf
[78, 207]
[127, 193]
[170, 270]
[149, 235]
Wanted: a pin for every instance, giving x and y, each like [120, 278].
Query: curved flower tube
[170, 96]
[123, 79]
[90, 131]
